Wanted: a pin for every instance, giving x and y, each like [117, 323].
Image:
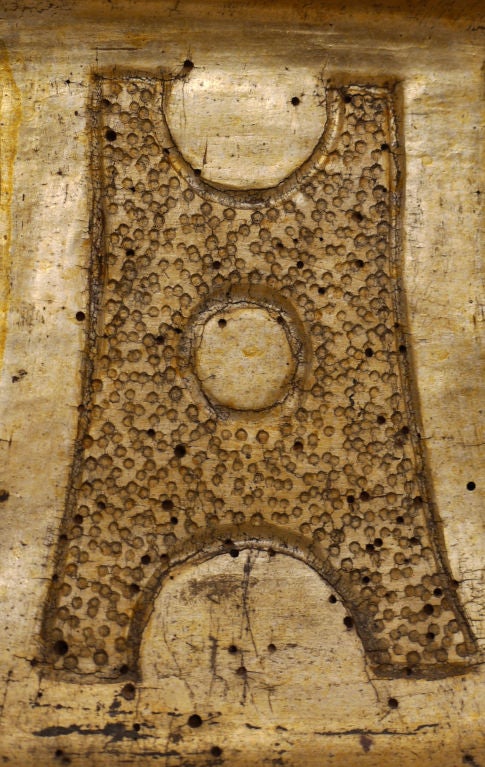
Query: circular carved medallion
[244, 359]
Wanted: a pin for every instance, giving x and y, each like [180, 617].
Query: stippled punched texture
[246, 383]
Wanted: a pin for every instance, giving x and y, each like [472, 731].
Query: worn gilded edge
[10, 115]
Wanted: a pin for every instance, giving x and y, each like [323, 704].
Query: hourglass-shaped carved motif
[247, 384]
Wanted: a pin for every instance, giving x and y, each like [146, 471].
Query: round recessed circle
[244, 359]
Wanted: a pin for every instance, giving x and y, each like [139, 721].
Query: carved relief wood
[241, 471]
[247, 384]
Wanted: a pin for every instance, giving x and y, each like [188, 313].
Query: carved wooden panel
[241, 471]
[247, 384]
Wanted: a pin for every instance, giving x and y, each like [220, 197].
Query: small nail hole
[194, 720]
[61, 647]
[128, 691]
[242, 671]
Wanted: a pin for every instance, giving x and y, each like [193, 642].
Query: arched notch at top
[249, 134]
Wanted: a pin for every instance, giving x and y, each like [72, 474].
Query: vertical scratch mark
[5, 692]
[245, 600]
[213, 661]
[213, 664]
[180, 674]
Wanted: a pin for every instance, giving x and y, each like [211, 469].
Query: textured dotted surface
[332, 474]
